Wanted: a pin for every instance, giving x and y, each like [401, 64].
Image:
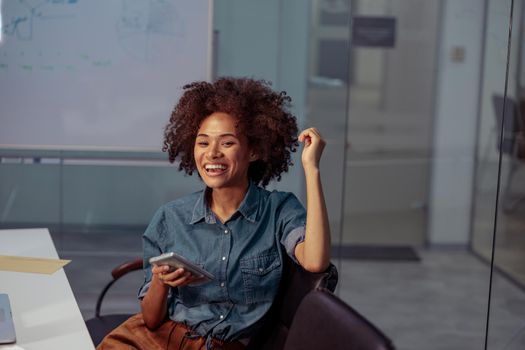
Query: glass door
[390, 116]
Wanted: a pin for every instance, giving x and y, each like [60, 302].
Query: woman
[238, 135]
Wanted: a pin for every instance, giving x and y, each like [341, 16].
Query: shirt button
[223, 258]
[226, 231]
[261, 269]
[222, 284]
[221, 317]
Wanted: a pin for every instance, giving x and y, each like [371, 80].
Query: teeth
[215, 166]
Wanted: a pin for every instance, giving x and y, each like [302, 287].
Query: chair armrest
[118, 272]
[126, 267]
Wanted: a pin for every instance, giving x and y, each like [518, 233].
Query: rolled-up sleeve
[292, 223]
[154, 234]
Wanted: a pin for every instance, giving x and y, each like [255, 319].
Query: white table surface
[45, 312]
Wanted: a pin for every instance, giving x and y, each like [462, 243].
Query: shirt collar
[248, 207]
[201, 209]
[250, 203]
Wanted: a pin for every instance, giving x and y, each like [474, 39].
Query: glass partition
[30, 189]
[417, 109]
[501, 176]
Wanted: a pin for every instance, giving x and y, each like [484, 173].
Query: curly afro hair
[262, 116]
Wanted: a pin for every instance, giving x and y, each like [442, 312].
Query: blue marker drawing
[20, 24]
[144, 25]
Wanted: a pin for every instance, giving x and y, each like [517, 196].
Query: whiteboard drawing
[144, 25]
[22, 16]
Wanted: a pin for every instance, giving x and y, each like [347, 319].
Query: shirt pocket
[193, 294]
[261, 276]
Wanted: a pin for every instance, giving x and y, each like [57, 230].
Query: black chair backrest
[296, 283]
[506, 110]
[323, 321]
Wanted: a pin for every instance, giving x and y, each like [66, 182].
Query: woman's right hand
[177, 278]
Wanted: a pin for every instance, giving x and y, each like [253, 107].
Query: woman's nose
[214, 151]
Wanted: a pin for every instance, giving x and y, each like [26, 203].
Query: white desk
[45, 312]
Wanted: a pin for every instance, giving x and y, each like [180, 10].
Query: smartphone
[176, 261]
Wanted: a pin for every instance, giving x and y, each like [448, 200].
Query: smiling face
[221, 153]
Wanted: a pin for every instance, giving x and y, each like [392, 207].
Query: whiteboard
[98, 73]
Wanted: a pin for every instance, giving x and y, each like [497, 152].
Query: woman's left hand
[313, 148]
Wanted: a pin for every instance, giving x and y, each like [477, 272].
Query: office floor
[437, 303]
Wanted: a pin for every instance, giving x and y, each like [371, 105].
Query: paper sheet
[32, 265]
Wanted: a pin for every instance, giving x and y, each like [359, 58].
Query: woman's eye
[228, 143]
[202, 143]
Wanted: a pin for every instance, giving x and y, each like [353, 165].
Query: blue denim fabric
[245, 254]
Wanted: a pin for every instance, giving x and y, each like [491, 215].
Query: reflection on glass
[389, 122]
[501, 156]
[412, 117]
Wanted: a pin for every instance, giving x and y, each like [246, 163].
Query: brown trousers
[133, 334]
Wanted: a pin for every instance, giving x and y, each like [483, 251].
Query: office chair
[512, 144]
[99, 326]
[323, 321]
[295, 284]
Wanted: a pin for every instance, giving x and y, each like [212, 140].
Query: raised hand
[313, 148]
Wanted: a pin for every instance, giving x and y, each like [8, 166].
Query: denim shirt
[245, 254]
